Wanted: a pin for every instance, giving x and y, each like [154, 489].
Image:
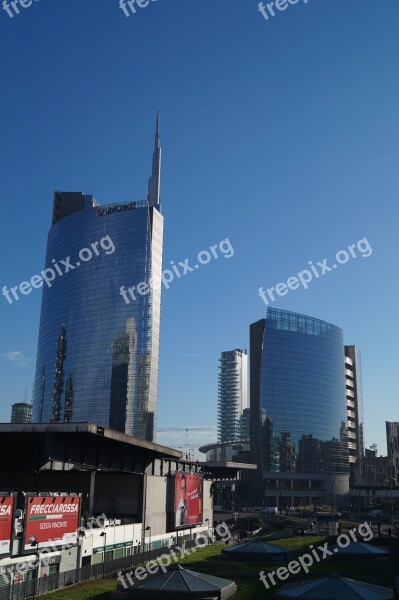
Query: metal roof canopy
[256, 550]
[360, 550]
[40, 446]
[333, 587]
[179, 582]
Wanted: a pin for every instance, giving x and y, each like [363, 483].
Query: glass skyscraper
[98, 347]
[298, 400]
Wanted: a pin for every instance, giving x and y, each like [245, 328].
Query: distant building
[233, 394]
[245, 423]
[393, 449]
[21, 412]
[354, 406]
[218, 452]
[376, 469]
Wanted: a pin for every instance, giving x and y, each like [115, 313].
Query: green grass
[96, 588]
[246, 574]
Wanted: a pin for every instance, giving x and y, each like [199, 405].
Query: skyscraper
[233, 394]
[298, 407]
[21, 412]
[354, 405]
[98, 347]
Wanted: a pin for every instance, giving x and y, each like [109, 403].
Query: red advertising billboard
[6, 517]
[188, 500]
[51, 521]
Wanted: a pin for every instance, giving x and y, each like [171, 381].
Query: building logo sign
[106, 210]
[51, 520]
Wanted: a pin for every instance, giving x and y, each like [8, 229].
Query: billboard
[188, 500]
[51, 521]
[6, 523]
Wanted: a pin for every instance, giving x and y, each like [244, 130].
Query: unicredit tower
[98, 348]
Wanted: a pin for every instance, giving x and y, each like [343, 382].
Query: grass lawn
[246, 574]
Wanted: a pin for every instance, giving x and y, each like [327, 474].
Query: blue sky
[281, 136]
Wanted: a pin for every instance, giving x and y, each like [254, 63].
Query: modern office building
[355, 415]
[233, 394]
[21, 412]
[393, 449]
[97, 357]
[298, 409]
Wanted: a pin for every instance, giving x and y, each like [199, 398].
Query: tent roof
[257, 546]
[334, 588]
[179, 579]
[361, 548]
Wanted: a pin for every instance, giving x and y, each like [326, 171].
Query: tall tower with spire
[108, 308]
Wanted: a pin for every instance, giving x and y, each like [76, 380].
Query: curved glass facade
[302, 401]
[97, 357]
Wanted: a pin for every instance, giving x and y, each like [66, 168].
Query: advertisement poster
[188, 500]
[6, 516]
[51, 521]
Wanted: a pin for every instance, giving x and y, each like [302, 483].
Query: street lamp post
[148, 528]
[104, 535]
[233, 489]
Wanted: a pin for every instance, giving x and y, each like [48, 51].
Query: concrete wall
[156, 505]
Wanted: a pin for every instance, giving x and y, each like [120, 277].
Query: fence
[34, 587]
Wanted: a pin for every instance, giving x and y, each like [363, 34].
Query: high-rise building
[393, 449]
[98, 348]
[377, 470]
[21, 412]
[233, 394]
[245, 424]
[298, 408]
[355, 416]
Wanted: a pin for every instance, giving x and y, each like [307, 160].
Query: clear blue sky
[281, 136]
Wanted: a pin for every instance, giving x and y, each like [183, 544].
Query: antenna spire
[154, 183]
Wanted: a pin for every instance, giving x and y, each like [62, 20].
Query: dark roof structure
[256, 550]
[334, 588]
[360, 551]
[177, 583]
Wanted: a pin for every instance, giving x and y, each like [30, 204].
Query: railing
[44, 585]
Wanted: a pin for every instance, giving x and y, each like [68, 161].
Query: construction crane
[193, 447]
[163, 429]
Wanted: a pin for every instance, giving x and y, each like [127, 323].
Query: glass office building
[298, 400]
[98, 347]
